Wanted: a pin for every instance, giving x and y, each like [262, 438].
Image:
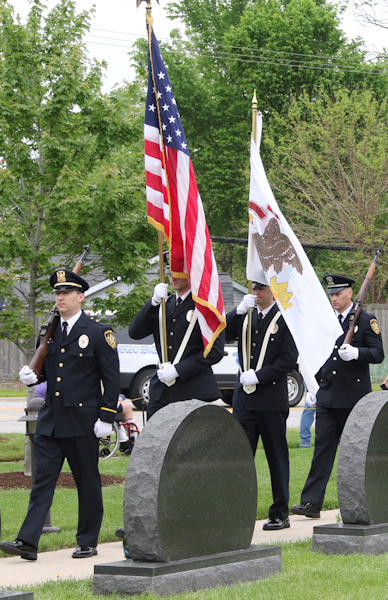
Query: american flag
[173, 203]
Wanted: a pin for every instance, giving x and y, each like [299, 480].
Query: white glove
[160, 293]
[247, 302]
[102, 428]
[248, 377]
[27, 376]
[167, 373]
[310, 400]
[348, 352]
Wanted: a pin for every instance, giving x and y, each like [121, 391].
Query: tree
[374, 12]
[330, 175]
[71, 168]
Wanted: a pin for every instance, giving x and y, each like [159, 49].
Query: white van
[138, 359]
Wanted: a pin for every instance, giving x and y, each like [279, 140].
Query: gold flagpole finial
[254, 116]
[148, 5]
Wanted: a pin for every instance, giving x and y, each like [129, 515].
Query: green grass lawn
[305, 576]
[14, 503]
[13, 393]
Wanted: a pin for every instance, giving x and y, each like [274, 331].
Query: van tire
[295, 388]
[140, 388]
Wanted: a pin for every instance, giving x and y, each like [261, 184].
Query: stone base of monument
[129, 577]
[15, 595]
[350, 539]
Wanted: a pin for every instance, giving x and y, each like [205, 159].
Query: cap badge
[329, 280]
[61, 276]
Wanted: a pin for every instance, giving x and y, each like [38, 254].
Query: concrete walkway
[52, 566]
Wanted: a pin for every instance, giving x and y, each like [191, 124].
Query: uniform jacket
[74, 370]
[280, 358]
[196, 378]
[341, 383]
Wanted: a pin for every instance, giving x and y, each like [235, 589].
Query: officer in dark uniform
[187, 374]
[260, 400]
[343, 380]
[76, 412]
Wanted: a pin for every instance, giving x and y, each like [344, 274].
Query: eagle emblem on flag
[275, 248]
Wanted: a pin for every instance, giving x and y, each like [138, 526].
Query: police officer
[187, 374]
[75, 413]
[260, 400]
[343, 380]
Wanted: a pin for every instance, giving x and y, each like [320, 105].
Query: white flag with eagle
[275, 252]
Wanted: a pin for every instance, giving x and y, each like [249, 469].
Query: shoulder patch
[110, 339]
[375, 326]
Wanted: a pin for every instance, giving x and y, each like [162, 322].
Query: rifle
[357, 306]
[48, 328]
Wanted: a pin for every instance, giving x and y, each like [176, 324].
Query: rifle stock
[48, 327]
[354, 314]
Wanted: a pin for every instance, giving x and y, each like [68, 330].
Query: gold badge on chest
[274, 328]
[83, 341]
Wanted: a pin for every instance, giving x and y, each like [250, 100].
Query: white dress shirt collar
[265, 311]
[182, 297]
[71, 322]
[345, 313]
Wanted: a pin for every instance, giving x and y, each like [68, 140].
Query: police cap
[337, 283]
[65, 280]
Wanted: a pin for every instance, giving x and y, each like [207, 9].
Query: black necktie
[259, 317]
[340, 318]
[64, 330]
[178, 302]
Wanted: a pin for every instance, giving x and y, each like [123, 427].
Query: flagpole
[250, 290]
[163, 337]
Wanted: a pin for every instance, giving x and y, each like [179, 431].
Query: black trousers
[82, 456]
[271, 426]
[329, 425]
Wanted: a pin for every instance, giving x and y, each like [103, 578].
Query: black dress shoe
[19, 548]
[84, 552]
[275, 524]
[120, 532]
[307, 509]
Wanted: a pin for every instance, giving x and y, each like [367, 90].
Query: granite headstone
[190, 504]
[362, 483]
[362, 473]
[191, 487]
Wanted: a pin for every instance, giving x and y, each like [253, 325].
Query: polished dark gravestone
[362, 483]
[190, 505]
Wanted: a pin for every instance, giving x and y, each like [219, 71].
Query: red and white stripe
[175, 208]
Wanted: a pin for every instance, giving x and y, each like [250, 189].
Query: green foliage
[71, 164]
[330, 175]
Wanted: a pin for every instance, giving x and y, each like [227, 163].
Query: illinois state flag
[275, 253]
[174, 205]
